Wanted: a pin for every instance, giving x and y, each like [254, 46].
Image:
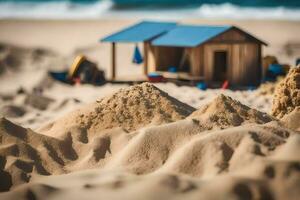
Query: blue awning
[189, 36]
[143, 31]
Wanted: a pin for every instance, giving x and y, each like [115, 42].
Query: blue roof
[189, 36]
[140, 32]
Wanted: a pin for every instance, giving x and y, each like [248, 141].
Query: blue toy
[251, 88]
[201, 86]
[60, 76]
[298, 61]
[276, 69]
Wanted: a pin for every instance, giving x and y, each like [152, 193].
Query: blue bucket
[298, 61]
[201, 86]
[276, 69]
[60, 76]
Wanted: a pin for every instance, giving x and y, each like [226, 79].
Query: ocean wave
[231, 11]
[106, 9]
[54, 9]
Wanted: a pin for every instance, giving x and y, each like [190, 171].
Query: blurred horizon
[133, 3]
[162, 9]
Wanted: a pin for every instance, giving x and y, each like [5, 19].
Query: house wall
[244, 62]
[244, 58]
[247, 65]
[160, 58]
[196, 57]
[231, 36]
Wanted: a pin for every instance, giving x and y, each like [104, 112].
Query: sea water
[160, 9]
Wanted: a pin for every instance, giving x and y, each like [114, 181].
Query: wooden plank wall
[163, 57]
[243, 62]
[151, 59]
[244, 58]
[197, 61]
[209, 50]
[251, 64]
[231, 36]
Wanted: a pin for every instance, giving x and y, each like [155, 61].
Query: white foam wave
[229, 11]
[54, 10]
[104, 9]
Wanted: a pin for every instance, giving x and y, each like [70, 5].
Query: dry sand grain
[252, 156]
[249, 161]
[225, 112]
[131, 108]
[287, 94]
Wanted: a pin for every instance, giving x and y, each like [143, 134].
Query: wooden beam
[113, 61]
[146, 48]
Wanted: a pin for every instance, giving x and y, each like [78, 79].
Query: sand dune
[248, 161]
[224, 112]
[292, 120]
[224, 144]
[287, 94]
[14, 58]
[25, 153]
[130, 109]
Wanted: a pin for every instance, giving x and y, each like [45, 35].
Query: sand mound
[292, 120]
[287, 94]
[13, 58]
[12, 111]
[131, 108]
[267, 88]
[24, 153]
[38, 101]
[257, 161]
[225, 112]
[251, 160]
[168, 148]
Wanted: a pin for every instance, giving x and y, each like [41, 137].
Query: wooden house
[209, 53]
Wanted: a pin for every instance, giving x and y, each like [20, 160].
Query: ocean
[152, 9]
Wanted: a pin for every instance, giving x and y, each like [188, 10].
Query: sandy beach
[71, 37]
[146, 141]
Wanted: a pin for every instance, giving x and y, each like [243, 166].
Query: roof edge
[228, 27]
[120, 30]
[250, 35]
[105, 39]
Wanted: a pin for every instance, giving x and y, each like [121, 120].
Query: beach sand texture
[147, 141]
[245, 152]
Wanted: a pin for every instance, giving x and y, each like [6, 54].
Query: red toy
[225, 85]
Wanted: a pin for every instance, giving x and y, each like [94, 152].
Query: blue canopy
[140, 32]
[189, 36]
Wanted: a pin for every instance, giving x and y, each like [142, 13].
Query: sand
[184, 157]
[287, 94]
[148, 141]
[130, 109]
[224, 112]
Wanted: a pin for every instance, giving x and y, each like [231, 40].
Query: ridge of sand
[183, 148]
[131, 108]
[292, 120]
[257, 158]
[14, 58]
[12, 111]
[24, 153]
[224, 112]
[287, 94]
